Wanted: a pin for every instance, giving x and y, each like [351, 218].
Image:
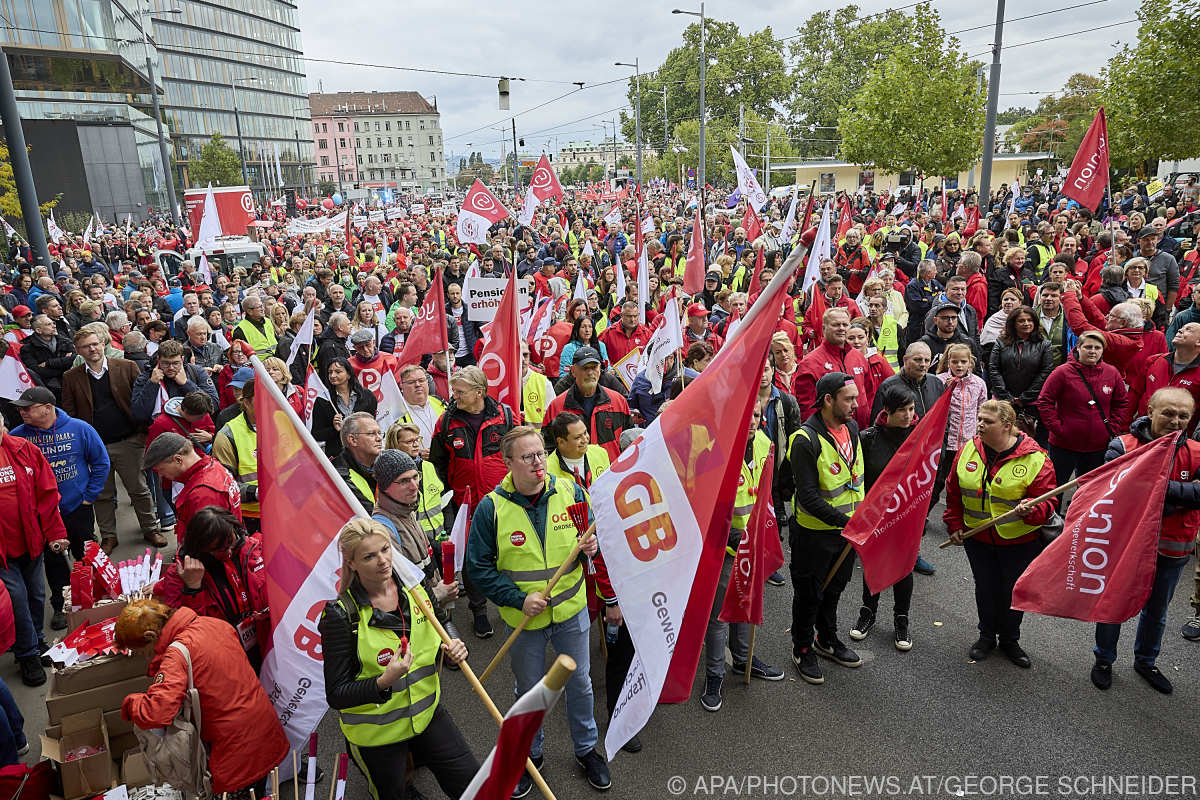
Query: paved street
[926, 713]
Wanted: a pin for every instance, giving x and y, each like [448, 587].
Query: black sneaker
[1102, 676]
[634, 745]
[32, 671]
[596, 769]
[866, 621]
[759, 669]
[525, 784]
[483, 626]
[775, 578]
[58, 622]
[711, 699]
[1156, 679]
[982, 648]
[1191, 628]
[1016, 655]
[838, 652]
[903, 640]
[807, 666]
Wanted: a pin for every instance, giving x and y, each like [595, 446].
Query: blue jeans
[12, 724]
[162, 501]
[719, 634]
[571, 638]
[1151, 623]
[23, 578]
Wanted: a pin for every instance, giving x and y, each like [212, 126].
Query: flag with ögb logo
[500, 358]
[544, 183]
[480, 210]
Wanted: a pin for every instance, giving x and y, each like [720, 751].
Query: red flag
[759, 554]
[500, 358]
[815, 315]
[1101, 568]
[755, 281]
[845, 222]
[694, 267]
[428, 333]
[808, 208]
[752, 224]
[350, 235]
[401, 252]
[1088, 176]
[544, 184]
[480, 210]
[886, 528]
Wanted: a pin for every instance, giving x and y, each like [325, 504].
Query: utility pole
[31, 212]
[516, 159]
[615, 156]
[767, 162]
[162, 141]
[989, 125]
[741, 127]
[637, 113]
[703, 74]
[971, 172]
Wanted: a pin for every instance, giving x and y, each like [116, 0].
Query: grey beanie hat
[389, 465]
[163, 447]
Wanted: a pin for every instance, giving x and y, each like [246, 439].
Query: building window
[324, 161]
[360, 159]
[356, 126]
[322, 144]
[408, 124]
[379, 141]
[357, 142]
[341, 142]
[377, 125]
[433, 123]
[433, 157]
[389, 141]
[387, 124]
[431, 141]
[324, 127]
[341, 127]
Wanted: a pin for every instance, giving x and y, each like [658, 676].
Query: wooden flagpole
[750, 652]
[1009, 516]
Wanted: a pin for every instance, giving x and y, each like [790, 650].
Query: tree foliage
[1061, 119]
[934, 125]
[326, 187]
[1011, 116]
[10, 203]
[217, 164]
[832, 59]
[747, 69]
[1152, 88]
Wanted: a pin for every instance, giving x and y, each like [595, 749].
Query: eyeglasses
[533, 458]
[372, 434]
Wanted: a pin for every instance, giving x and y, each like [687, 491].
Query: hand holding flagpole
[1009, 516]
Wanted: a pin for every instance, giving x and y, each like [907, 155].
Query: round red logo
[385, 656]
[972, 466]
[517, 539]
[834, 469]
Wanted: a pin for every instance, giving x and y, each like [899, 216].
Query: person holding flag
[1000, 470]
[737, 634]
[521, 533]
[380, 657]
[1169, 412]
[827, 470]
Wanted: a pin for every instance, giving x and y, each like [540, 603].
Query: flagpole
[1009, 516]
[750, 652]
[477, 685]
[836, 565]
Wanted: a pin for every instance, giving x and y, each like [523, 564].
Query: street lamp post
[637, 113]
[299, 159]
[703, 73]
[162, 141]
[237, 122]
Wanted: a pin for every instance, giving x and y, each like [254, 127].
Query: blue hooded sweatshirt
[77, 456]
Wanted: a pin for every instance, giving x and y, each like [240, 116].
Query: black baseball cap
[586, 355]
[33, 396]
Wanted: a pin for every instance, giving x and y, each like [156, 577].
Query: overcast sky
[578, 42]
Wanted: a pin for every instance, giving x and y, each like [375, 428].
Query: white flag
[667, 339]
[587, 248]
[529, 208]
[619, 268]
[313, 388]
[643, 280]
[391, 404]
[210, 222]
[8, 229]
[819, 252]
[580, 288]
[278, 170]
[128, 222]
[747, 183]
[613, 217]
[87, 233]
[205, 270]
[303, 336]
[14, 379]
[458, 537]
[1012, 201]
[648, 225]
[789, 224]
[52, 226]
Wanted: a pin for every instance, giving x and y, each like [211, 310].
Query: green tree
[1061, 118]
[218, 164]
[1152, 88]
[1011, 116]
[326, 187]
[832, 58]
[747, 69]
[934, 125]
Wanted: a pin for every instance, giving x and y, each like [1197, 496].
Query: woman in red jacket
[218, 572]
[239, 726]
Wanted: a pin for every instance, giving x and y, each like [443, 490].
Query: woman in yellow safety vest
[381, 657]
[998, 471]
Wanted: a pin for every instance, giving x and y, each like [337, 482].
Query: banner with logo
[482, 297]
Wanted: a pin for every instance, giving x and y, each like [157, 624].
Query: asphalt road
[927, 723]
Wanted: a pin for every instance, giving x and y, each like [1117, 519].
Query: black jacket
[1018, 370]
[803, 457]
[938, 345]
[343, 463]
[879, 444]
[926, 392]
[35, 352]
[1001, 277]
[323, 413]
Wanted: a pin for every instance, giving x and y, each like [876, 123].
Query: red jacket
[618, 343]
[370, 373]
[1177, 536]
[1127, 350]
[207, 483]
[825, 359]
[238, 722]
[1043, 482]
[878, 370]
[164, 422]
[1159, 373]
[610, 416]
[37, 500]
[1066, 409]
[856, 262]
[464, 463]
[977, 295]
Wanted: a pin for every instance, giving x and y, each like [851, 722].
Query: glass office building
[231, 64]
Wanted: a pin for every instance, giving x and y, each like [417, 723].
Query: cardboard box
[113, 723]
[123, 743]
[104, 698]
[135, 771]
[105, 609]
[83, 777]
[99, 671]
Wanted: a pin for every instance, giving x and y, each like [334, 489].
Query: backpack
[176, 754]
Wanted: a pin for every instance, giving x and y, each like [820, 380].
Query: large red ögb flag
[886, 528]
[480, 210]
[693, 269]
[1101, 568]
[663, 511]
[758, 555]
[1088, 176]
[14, 378]
[500, 358]
[544, 183]
[428, 333]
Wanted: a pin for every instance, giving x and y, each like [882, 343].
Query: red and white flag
[747, 184]
[1088, 176]
[391, 406]
[205, 270]
[500, 358]
[662, 517]
[14, 378]
[613, 217]
[758, 555]
[752, 224]
[887, 526]
[789, 223]
[694, 267]
[1101, 568]
[480, 210]
[501, 770]
[429, 333]
[544, 183]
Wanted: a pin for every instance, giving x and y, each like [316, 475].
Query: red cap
[696, 310]
[20, 311]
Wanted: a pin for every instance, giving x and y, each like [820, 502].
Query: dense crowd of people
[1065, 338]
